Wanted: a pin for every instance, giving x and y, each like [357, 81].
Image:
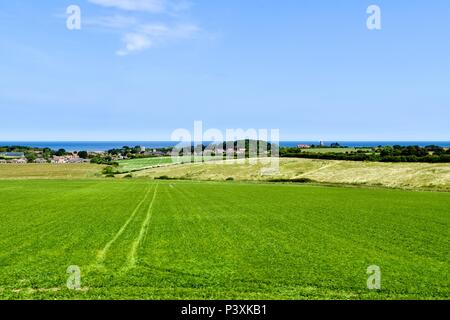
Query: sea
[108, 145]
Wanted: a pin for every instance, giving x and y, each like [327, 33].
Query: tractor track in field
[102, 254]
[132, 256]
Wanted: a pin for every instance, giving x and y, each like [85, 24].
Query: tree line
[397, 153]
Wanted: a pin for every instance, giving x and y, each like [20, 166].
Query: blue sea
[108, 145]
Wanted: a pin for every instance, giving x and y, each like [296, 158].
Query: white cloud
[181, 5]
[155, 34]
[154, 30]
[111, 22]
[155, 6]
[134, 42]
[140, 35]
[180, 31]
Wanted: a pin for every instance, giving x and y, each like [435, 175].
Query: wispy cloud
[134, 42]
[111, 22]
[139, 35]
[155, 6]
[150, 35]
[180, 31]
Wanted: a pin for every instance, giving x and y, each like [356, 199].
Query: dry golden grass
[48, 171]
[397, 175]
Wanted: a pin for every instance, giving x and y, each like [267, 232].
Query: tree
[108, 170]
[60, 152]
[30, 156]
[83, 154]
[335, 145]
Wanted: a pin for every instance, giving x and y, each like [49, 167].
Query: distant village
[20, 158]
[23, 155]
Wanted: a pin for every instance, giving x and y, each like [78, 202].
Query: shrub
[108, 170]
[296, 180]
[163, 178]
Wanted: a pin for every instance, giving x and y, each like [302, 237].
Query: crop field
[142, 239]
[49, 171]
[139, 164]
[413, 176]
[131, 165]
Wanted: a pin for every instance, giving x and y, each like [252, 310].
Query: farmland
[139, 164]
[143, 239]
[131, 165]
[48, 171]
[411, 176]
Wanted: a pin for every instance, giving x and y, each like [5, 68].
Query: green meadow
[139, 164]
[144, 239]
[130, 165]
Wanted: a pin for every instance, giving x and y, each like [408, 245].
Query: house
[58, 160]
[2, 161]
[40, 160]
[74, 160]
[159, 153]
[304, 146]
[19, 161]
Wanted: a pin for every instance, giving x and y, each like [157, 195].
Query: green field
[139, 164]
[140, 239]
[131, 165]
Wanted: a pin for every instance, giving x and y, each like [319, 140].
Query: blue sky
[139, 69]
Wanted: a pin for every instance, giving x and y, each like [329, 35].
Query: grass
[132, 165]
[48, 171]
[395, 175]
[413, 176]
[142, 239]
[139, 164]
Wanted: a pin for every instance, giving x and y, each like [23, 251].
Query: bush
[99, 160]
[108, 170]
[83, 154]
[169, 178]
[297, 180]
[230, 179]
[163, 178]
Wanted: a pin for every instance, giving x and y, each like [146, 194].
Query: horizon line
[282, 140]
